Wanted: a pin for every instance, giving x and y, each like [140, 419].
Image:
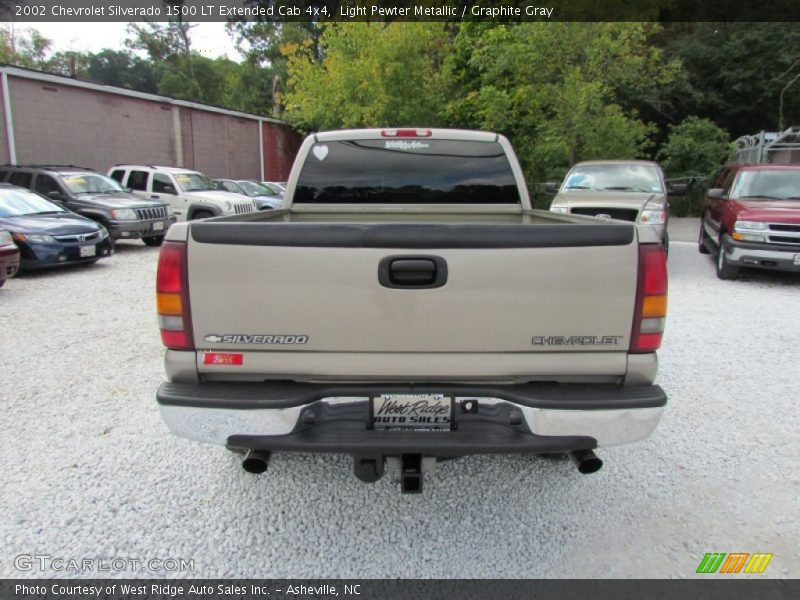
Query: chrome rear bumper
[287, 416]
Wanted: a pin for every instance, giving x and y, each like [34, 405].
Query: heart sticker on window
[320, 152]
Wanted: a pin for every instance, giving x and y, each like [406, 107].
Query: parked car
[9, 257]
[48, 235]
[426, 312]
[751, 218]
[97, 197]
[263, 197]
[628, 190]
[190, 194]
[277, 186]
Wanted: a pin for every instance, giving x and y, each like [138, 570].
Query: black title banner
[33, 11]
[253, 589]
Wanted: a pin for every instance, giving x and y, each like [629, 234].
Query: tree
[367, 75]
[261, 42]
[27, 49]
[168, 46]
[120, 68]
[735, 73]
[563, 92]
[695, 148]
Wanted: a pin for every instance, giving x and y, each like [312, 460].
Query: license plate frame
[87, 251]
[158, 225]
[412, 412]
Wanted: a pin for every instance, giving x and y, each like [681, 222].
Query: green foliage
[162, 43]
[734, 74]
[695, 148]
[121, 68]
[561, 91]
[369, 75]
[260, 44]
[28, 49]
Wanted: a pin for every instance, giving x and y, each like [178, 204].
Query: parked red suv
[751, 218]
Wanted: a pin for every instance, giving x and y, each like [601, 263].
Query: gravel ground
[89, 470]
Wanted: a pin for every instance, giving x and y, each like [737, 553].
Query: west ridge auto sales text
[172, 590]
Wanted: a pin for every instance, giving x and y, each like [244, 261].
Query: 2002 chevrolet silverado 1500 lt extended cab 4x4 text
[408, 305]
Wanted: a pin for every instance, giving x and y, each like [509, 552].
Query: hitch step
[411, 474]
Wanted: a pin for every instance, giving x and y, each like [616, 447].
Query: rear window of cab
[406, 171]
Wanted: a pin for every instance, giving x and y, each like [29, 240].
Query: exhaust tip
[586, 461]
[256, 461]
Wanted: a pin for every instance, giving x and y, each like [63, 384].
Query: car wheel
[665, 243]
[701, 240]
[2, 282]
[201, 214]
[153, 241]
[725, 270]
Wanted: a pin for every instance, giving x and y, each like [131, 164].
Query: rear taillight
[409, 133]
[651, 299]
[172, 297]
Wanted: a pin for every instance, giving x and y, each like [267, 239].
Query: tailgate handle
[412, 272]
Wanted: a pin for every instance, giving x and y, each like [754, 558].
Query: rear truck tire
[153, 241]
[725, 270]
[201, 214]
[701, 239]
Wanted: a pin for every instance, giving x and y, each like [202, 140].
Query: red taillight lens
[172, 297]
[651, 299]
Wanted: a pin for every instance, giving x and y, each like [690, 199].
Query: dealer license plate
[796, 259]
[429, 412]
[86, 251]
[158, 226]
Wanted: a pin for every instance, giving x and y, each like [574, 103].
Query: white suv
[190, 194]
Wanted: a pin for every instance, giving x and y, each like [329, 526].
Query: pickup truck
[408, 305]
[751, 218]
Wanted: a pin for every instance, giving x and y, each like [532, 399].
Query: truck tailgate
[298, 298]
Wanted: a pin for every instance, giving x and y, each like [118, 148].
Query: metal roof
[25, 73]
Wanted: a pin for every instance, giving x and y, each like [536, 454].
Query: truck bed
[521, 290]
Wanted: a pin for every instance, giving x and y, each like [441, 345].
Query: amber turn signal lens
[169, 304]
[654, 306]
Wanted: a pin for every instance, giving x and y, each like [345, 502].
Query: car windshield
[14, 203]
[615, 177]
[781, 184]
[194, 182]
[254, 189]
[90, 183]
[276, 188]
